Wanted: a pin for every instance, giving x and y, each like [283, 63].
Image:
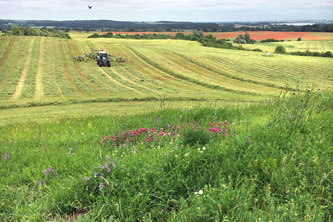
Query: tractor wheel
[109, 64]
[100, 64]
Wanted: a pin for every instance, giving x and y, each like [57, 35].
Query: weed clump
[194, 137]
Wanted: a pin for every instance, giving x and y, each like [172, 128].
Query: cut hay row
[119, 84]
[8, 51]
[50, 85]
[165, 80]
[4, 41]
[221, 72]
[66, 72]
[54, 75]
[127, 76]
[94, 75]
[8, 69]
[39, 91]
[160, 78]
[23, 76]
[124, 78]
[89, 86]
[186, 78]
[203, 74]
[246, 74]
[299, 69]
[29, 84]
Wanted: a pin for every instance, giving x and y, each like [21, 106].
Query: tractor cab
[102, 59]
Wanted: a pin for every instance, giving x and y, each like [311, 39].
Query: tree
[17, 30]
[280, 49]
[180, 35]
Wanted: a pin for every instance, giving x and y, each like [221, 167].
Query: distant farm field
[40, 71]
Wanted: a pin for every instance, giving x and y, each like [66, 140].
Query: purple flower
[100, 185]
[107, 167]
[155, 117]
[169, 126]
[6, 156]
[86, 178]
[95, 174]
[45, 172]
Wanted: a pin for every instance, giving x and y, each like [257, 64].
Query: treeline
[276, 28]
[32, 31]
[166, 26]
[282, 50]
[205, 40]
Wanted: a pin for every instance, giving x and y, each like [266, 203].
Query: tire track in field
[9, 49]
[124, 78]
[131, 75]
[163, 77]
[188, 79]
[53, 68]
[11, 68]
[66, 72]
[85, 49]
[19, 87]
[39, 90]
[117, 82]
[82, 76]
[209, 68]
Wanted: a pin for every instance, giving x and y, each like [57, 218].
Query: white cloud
[190, 10]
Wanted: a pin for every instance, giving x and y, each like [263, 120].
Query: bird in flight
[89, 7]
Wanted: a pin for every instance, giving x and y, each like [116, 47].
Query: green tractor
[102, 59]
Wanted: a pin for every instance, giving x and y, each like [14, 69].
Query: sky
[170, 10]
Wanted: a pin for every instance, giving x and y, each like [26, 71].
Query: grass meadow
[179, 132]
[269, 161]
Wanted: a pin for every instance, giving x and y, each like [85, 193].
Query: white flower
[186, 154]
[199, 149]
[196, 193]
[176, 155]
[200, 192]
[203, 148]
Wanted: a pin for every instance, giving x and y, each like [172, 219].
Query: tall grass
[274, 163]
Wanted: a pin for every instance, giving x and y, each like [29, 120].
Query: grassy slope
[277, 165]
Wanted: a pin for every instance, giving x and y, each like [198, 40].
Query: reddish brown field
[256, 35]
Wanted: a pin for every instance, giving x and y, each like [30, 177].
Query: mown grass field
[179, 132]
[39, 71]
